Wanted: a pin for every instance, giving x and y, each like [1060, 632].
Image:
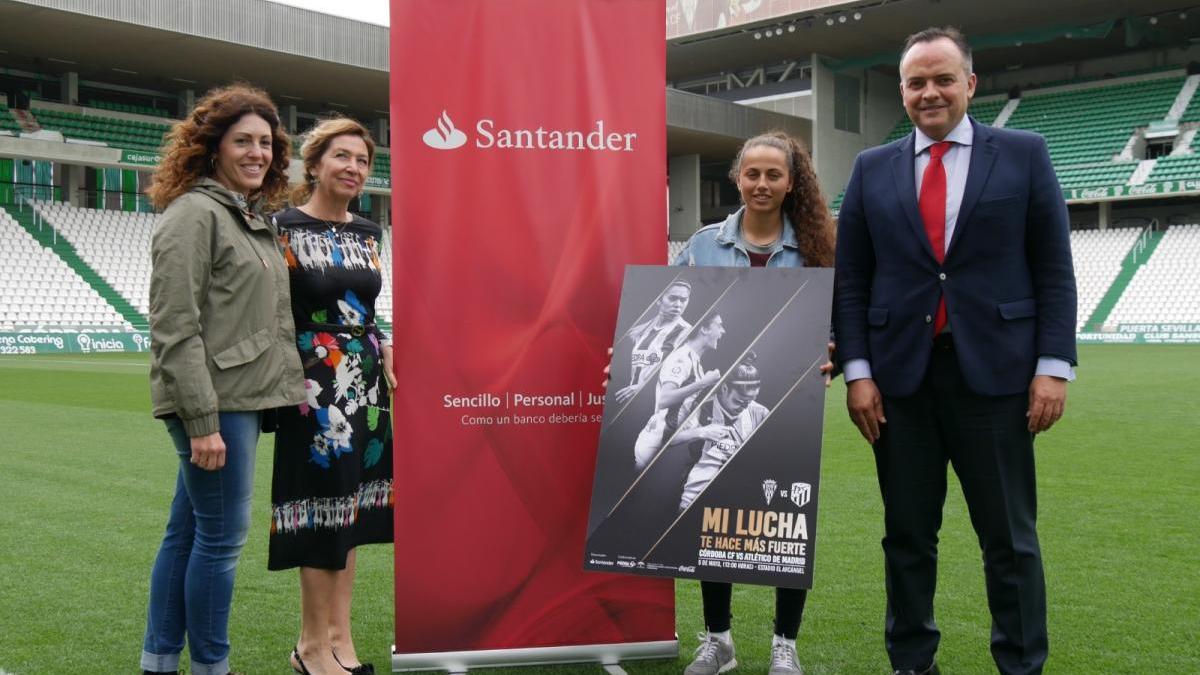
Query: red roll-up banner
[528, 164]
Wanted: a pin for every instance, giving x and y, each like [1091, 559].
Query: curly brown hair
[805, 204]
[316, 142]
[191, 145]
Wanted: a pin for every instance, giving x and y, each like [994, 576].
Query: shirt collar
[963, 134]
[729, 230]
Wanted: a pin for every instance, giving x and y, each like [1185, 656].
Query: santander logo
[489, 135]
[444, 136]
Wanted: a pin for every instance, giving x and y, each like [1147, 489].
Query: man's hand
[208, 452]
[866, 407]
[827, 367]
[1047, 399]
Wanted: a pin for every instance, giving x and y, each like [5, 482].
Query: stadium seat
[31, 303]
[1093, 124]
[1166, 288]
[117, 132]
[1098, 255]
[116, 244]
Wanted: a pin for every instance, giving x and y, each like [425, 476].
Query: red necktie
[932, 202]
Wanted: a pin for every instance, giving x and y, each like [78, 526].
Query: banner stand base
[461, 662]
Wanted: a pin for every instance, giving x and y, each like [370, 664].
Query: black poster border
[709, 457]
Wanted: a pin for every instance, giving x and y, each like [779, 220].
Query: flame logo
[444, 136]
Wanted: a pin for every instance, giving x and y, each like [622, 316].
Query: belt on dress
[357, 330]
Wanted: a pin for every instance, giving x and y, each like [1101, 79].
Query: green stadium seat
[120, 133]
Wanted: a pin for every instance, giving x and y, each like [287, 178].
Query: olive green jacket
[221, 331]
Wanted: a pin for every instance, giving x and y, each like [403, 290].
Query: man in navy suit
[955, 318]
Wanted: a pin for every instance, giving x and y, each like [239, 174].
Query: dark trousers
[718, 598]
[986, 440]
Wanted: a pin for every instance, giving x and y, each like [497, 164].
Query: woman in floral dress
[332, 484]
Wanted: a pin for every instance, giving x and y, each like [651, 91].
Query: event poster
[526, 174]
[710, 450]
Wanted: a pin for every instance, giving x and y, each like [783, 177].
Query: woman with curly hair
[331, 488]
[222, 352]
[784, 221]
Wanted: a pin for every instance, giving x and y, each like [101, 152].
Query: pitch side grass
[86, 475]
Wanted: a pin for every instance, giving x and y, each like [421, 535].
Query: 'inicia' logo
[444, 136]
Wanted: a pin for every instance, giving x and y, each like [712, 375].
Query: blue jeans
[191, 584]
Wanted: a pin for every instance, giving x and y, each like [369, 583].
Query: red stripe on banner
[510, 241]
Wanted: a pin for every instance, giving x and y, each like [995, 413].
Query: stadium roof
[1009, 34]
[201, 43]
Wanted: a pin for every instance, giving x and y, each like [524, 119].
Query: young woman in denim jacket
[784, 221]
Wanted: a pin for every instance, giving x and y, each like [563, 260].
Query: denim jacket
[718, 245]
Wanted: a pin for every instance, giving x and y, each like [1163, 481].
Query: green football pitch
[86, 476]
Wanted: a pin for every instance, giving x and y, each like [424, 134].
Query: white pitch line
[77, 362]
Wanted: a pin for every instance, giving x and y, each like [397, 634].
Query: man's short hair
[707, 322]
[936, 33]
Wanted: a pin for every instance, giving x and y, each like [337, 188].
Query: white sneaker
[714, 655]
[783, 657]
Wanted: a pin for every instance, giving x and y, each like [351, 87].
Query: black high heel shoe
[360, 669]
[295, 657]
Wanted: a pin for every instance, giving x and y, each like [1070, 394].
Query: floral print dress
[331, 487]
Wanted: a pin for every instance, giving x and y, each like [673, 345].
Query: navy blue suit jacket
[1008, 278]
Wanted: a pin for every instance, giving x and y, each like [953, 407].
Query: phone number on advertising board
[17, 349]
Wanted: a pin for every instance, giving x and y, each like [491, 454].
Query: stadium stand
[1094, 124]
[382, 166]
[1101, 174]
[1091, 123]
[1166, 288]
[383, 304]
[7, 121]
[1098, 257]
[42, 292]
[1175, 167]
[117, 132]
[116, 244]
[123, 107]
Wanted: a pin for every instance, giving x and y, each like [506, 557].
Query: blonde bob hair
[316, 142]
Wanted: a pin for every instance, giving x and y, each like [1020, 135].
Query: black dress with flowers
[331, 488]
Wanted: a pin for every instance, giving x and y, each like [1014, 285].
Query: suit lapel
[983, 156]
[906, 190]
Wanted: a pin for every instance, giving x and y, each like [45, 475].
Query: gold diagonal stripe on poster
[707, 395]
[730, 460]
[655, 369]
